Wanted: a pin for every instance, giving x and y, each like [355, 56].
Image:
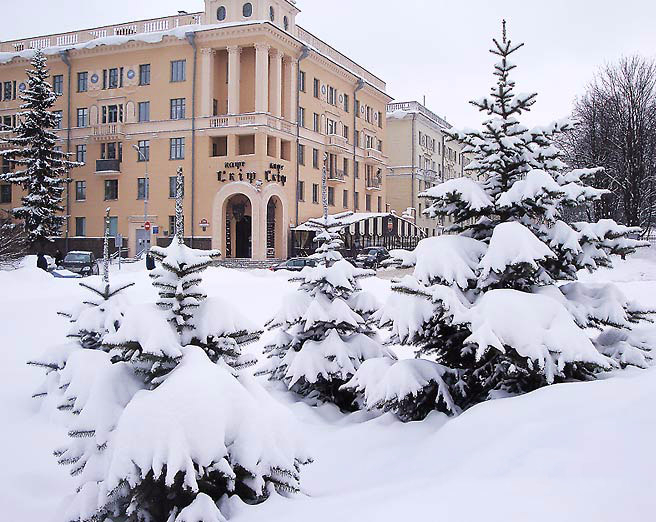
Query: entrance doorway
[141, 241]
[239, 228]
[275, 247]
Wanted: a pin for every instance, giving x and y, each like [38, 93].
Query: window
[144, 74]
[357, 138]
[113, 226]
[5, 193]
[144, 111]
[221, 14]
[367, 199]
[317, 87]
[356, 200]
[144, 150]
[178, 108]
[83, 117]
[112, 113]
[286, 23]
[315, 193]
[301, 154]
[380, 119]
[82, 81]
[301, 116]
[80, 190]
[177, 148]
[247, 10]
[301, 191]
[6, 91]
[345, 199]
[58, 84]
[172, 186]
[346, 132]
[332, 95]
[113, 78]
[178, 70]
[58, 119]
[272, 14]
[80, 226]
[142, 188]
[316, 125]
[346, 167]
[111, 189]
[331, 126]
[112, 150]
[301, 81]
[356, 169]
[81, 153]
[357, 108]
[346, 103]
[315, 158]
[331, 196]
[380, 204]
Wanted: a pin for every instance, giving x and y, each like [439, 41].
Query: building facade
[245, 100]
[420, 157]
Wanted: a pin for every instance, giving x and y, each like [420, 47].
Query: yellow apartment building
[420, 157]
[245, 100]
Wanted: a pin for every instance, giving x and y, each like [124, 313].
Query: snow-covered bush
[323, 335]
[484, 305]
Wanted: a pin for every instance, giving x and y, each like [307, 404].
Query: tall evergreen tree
[43, 167]
[485, 305]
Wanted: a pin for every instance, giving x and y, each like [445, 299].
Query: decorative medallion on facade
[22, 87]
[131, 74]
[94, 78]
[323, 89]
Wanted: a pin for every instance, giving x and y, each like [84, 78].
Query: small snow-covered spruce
[484, 305]
[193, 318]
[42, 168]
[323, 335]
[90, 322]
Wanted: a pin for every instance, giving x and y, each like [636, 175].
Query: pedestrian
[41, 261]
[150, 262]
[59, 258]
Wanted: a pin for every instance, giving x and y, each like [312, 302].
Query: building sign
[235, 171]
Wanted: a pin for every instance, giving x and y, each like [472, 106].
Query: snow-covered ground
[574, 452]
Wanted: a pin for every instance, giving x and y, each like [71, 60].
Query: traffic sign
[147, 225]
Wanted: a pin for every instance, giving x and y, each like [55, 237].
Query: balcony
[108, 166]
[108, 131]
[375, 155]
[336, 175]
[375, 181]
[337, 144]
[254, 119]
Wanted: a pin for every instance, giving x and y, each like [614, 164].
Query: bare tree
[13, 243]
[617, 131]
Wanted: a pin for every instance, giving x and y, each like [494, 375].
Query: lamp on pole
[146, 194]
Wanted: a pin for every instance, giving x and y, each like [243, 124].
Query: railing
[335, 140]
[375, 154]
[337, 175]
[108, 165]
[252, 119]
[108, 130]
[76, 37]
[328, 51]
[414, 106]
[374, 181]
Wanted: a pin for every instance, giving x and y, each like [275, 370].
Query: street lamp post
[146, 194]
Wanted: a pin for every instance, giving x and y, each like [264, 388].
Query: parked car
[373, 257]
[83, 263]
[296, 264]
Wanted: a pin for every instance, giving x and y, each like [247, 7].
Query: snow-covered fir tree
[322, 332]
[42, 168]
[168, 431]
[91, 321]
[195, 319]
[484, 308]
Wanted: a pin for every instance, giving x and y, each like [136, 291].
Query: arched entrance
[239, 227]
[275, 243]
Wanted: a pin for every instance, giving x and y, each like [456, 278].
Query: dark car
[373, 257]
[83, 263]
[295, 265]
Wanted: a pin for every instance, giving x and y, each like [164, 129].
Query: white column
[293, 89]
[261, 78]
[276, 83]
[234, 73]
[207, 86]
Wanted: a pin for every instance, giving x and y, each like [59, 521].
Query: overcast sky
[425, 47]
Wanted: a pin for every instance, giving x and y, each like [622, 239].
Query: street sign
[118, 241]
[147, 225]
[155, 230]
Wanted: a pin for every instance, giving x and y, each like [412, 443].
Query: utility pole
[146, 195]
[324, 188]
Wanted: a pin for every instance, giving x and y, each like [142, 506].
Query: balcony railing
[336, 175]
[256, 119]
[337, 141]
[108, 130]
[375, 181]
[414, 106]
[107, 166]
[375, 155]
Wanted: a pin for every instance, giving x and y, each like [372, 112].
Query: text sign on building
[234, 171]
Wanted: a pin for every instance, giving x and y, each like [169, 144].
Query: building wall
[268, 170]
